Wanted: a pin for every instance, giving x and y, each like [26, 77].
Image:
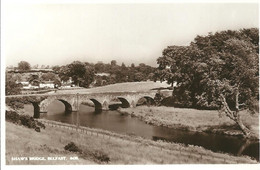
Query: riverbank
[209, 121]
[96, 144]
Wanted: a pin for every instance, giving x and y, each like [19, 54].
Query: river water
[124, 124]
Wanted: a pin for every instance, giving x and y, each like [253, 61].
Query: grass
[192, 119]
[120, 87]
[112, 149]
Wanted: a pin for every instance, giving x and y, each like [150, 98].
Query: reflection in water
[114, 121]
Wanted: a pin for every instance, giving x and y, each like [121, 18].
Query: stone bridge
[100, 101]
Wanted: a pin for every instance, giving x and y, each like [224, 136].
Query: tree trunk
[234, 115]
[243, 147]
[244, 129]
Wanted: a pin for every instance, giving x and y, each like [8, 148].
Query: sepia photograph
[127, 83]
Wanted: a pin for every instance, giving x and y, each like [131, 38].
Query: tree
[139, 76]
[24, 66]
[34, 79]
[99, 67]
[151, 76]
[215, 71]
[76, 71]
[242, 85]
[64, 73]
[123, 65]
[35, 66]
[81, 74]
[17, 77]
[51, 77]
[48, 77]
[113, 63]
[56, 69]
[11, 87]
[57, 83]
[88, 77]
[98, 81]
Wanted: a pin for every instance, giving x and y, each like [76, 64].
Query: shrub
[28, 121]
[72, 147]
[41, 125]
[12, 116]
[37, 129]
[100, 156]
[25, 120]
[14, 103]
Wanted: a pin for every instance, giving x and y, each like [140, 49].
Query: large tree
[82, 74]
[24, 66]
[217, 70]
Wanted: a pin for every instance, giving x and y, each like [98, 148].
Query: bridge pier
[105, 106]
[133, 104]
[36, 110]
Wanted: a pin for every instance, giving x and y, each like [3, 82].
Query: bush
[72, 147]
[40, 124]
[37, 129]
[12, 116]
[14, 103]
[28, 121]
[25, 120]
[168, 101]
[100, 156]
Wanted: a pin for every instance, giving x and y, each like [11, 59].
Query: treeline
[82, 74]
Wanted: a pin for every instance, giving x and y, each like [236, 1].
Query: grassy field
[120, 87]
[24, 142]
[192, 119]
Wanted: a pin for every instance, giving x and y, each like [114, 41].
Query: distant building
[102, 74]
[47, 84]
[24, 83]
[30, 86]
[36, 84]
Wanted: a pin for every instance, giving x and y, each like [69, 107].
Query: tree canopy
[214, 70]
[82, 74]
[24, 66]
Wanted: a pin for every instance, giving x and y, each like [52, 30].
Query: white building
[46, 84]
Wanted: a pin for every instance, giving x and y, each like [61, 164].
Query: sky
[58, 34]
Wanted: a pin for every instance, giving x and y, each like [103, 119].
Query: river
[124, 124]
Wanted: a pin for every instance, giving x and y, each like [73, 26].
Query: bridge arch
[125, 103]
[43, 105]
[68, 107]
[98, 105]
[148, 100]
